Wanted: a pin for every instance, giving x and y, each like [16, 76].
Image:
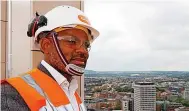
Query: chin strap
[71, 69]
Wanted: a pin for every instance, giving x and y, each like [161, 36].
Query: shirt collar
[60, 79]
[56, 75]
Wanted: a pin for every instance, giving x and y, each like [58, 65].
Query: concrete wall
[3, 34]
[21, 44]
[1, 40]
[20, 55]
[0, 37]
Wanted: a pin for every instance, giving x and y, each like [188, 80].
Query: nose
[82, 50]
[83, 45]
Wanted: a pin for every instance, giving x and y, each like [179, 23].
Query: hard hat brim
[94, 32]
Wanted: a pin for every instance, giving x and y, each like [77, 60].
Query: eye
[72, 41]
[87, 44]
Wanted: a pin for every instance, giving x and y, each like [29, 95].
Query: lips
[78, 61]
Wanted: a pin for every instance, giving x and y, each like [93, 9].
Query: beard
[56, 63]
[78, 60]
[78, 63]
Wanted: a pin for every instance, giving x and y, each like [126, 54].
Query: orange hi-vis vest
[38, 89]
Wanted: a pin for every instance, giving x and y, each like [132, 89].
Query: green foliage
[109, 89]
[159, 99]
[179, 100]
[98, 90]
[183, 101]
[125, 89]
[160, 89]
[118, 106]
[186, 103]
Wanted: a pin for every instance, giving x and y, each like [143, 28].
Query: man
[64, 35]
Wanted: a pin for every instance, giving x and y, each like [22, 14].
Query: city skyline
[131, 93]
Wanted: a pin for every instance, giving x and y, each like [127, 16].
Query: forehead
[74, 32]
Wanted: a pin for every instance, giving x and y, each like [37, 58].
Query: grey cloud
[157, 40]
[169, 29]
[141, 61]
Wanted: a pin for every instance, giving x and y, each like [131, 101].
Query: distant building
[186, 93]
[182, 109]
[90, 103]
[174, 105]
[172, 96]
[127, 104]
[113, 102]
[107, 104]
[162, 105]
[158, 107]
[144, 96]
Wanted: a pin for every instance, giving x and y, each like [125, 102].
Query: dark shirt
[11, 100]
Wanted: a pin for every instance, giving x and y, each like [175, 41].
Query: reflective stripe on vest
[81, 105]
[33, 99]
[41, 88]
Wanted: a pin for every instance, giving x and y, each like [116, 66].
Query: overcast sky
[139, 36]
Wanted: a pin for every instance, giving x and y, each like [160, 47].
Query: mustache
[79, 56]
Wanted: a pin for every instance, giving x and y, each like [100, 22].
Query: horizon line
[139, 71]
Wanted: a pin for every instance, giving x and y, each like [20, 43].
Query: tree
[125, 89]
[118, 106]
[160, 89]
[185, 103]
[98, 90]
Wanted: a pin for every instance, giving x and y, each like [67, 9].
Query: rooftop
[144, 83]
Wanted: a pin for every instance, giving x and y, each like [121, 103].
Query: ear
[46, 45]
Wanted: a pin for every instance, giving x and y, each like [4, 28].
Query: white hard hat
[63, 16]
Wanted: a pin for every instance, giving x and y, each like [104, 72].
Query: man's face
[72, 43]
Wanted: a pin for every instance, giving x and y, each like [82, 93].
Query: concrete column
[3, 29]
[20, 44]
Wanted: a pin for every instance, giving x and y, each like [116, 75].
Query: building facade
[144, 96]
[127, 104]
[186, 93]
